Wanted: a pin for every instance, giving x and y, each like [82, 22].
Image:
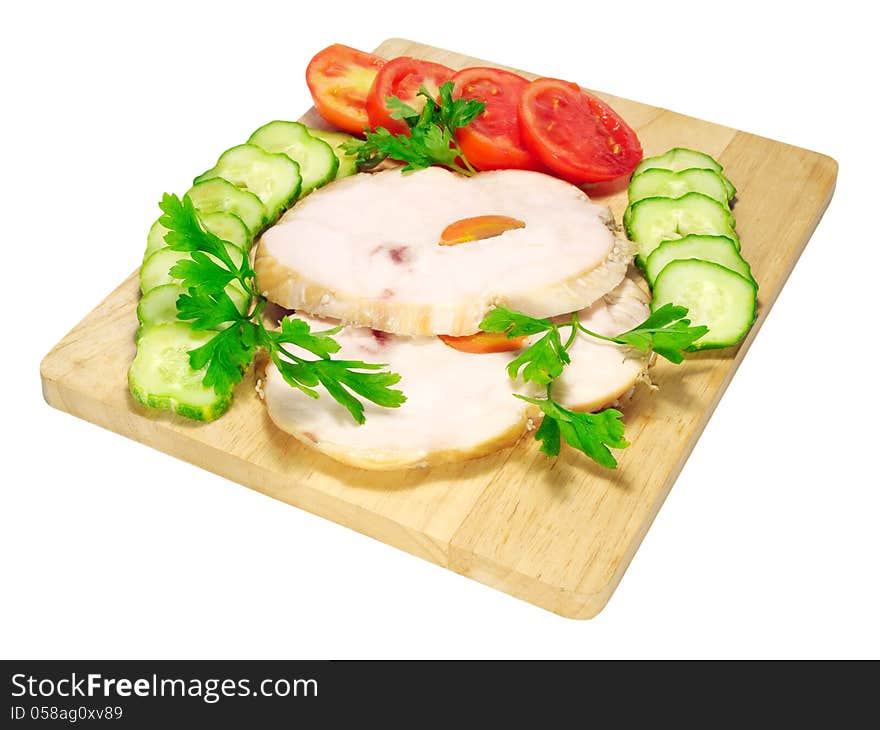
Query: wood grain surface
[556, 532]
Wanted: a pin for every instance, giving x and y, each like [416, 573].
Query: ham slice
[366, 250]
[601, 372]
[459, 405]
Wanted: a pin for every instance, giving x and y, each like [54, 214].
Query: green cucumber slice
[715, 296]
[160, 375]
[658, 183]
[347, 163]
[653, 220]
[227, 226]
[627, 214]
[160, 303]
[155, 238]
[717, 249]
[156, 269]
[273, 178]
[220, 196]
[681, 158]
[317, 162]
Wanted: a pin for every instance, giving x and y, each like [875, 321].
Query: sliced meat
[366, 250]
[459, 405]
[602, 372]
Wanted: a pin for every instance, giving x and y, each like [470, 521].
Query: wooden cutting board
[556, 532]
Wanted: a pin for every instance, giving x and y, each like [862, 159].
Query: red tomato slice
[402, 77]
[339, 78]
[492, 141]
[576, 135]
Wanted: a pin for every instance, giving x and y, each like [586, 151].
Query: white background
[767, 545]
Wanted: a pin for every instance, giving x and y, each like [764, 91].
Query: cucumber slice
[658, 183]
[227, 226]
[317, 162]
[347, 164]
[273, 178]
[717, 249]
[681, 158]
[159, 305]
[160, 375]
[156, 269]
[627, 214]
[155, 238]
[715, 296]
[652, 220]
[220, 196]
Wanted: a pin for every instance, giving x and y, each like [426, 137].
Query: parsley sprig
[431, 139]
[205, 277]
[666, 331]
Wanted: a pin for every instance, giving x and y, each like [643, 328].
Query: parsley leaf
[548, 435]
[212, 266]
[297, 332]
[455, 113]
[382, 144]
[206, 309]
[542, 362]
[374, 386]
[438, 146]
[513, 324]
[592, 433]
[185, 230]
[339, 377]
[228, 355]
[187, 234]
[665, 331]
[200, 270]
[298, 374]
[431, 139]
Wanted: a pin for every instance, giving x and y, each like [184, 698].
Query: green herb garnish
[665, 331]
[206, 305]
[431, 139]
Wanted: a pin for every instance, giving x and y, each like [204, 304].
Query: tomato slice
[482, 343]
[402, 77]
[575, 134]
[493, 141]
[339, 78]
